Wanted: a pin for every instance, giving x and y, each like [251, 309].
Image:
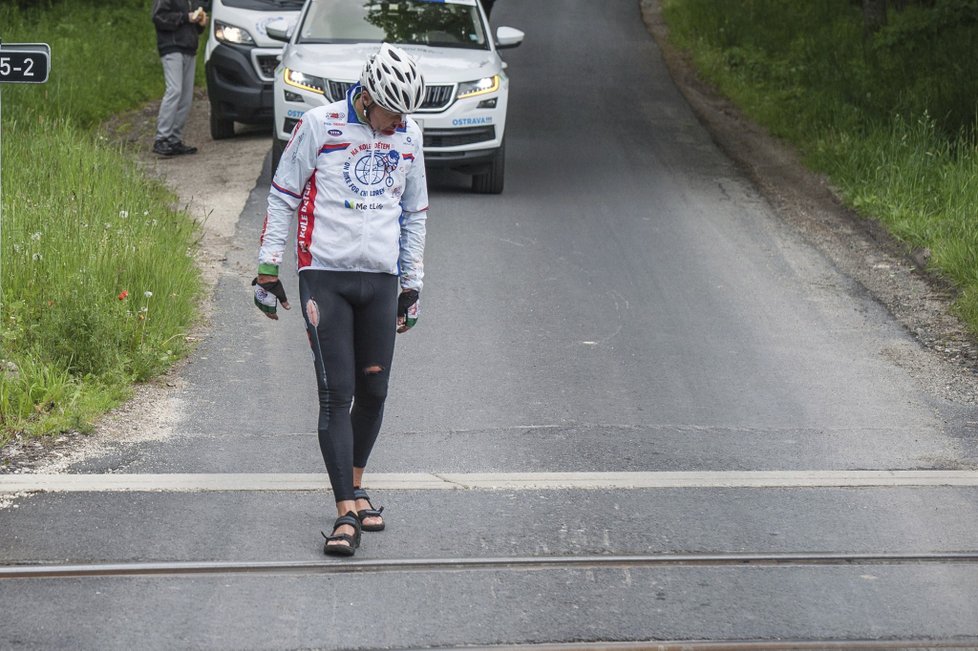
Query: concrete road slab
[282, 526]
[416, 609]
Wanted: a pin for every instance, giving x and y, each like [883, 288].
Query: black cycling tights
[350, 318]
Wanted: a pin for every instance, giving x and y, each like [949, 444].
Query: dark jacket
[174, 31]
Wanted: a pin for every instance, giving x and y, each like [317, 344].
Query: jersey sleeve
[298, 164]
[414, 213]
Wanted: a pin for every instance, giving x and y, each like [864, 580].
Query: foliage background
[890, 116]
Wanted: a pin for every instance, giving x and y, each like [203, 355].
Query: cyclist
[354, 170]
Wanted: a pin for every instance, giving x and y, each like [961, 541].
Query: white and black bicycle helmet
[393, 80]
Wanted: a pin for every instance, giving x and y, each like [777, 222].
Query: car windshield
[412, 22]
[265, 5]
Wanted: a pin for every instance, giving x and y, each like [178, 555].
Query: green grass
[889, 117]
[98, 283]
[103, 58]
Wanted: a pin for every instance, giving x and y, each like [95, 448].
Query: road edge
[860, 248]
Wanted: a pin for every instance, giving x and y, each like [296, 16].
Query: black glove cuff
[274, 288]
[407, 298]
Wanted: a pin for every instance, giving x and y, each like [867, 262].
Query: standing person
[354, 169]
[178, 28]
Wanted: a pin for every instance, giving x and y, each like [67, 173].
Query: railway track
[758, 645]
[173, 568]
[321, 567]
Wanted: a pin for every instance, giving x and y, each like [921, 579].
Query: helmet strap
[366, 109]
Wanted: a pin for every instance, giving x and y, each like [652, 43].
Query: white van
[240, 60]
[463, 114]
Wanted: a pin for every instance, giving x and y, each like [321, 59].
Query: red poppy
[123, 294]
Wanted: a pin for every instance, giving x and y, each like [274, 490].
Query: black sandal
[352, 542]
[360, 494]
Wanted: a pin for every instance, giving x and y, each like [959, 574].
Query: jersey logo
[373, 168]
[380, 170]
[370, 165]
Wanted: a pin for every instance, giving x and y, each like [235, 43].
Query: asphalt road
[630, 303]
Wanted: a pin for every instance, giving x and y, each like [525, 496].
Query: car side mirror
[507, 37]
[279, 30]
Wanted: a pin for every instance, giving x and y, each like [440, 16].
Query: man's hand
[268, 294]
[408, 309]
[199, 16]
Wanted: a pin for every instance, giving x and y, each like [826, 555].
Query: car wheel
[221, 127]
[278, 146]
[491, 181]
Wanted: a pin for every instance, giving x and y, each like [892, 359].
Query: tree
[874, 15]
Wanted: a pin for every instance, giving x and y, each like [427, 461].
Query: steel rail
[174, 568]
[733, 645]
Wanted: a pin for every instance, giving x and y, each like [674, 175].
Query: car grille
[266, 65]
[337, 89]
[458, 137]
[436, 98]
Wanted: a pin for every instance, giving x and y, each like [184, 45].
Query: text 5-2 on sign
[25, 63]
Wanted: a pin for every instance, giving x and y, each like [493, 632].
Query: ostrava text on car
[464, 111]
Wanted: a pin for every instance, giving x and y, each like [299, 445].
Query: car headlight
[478, 87]
[231, 34]
[304, 81]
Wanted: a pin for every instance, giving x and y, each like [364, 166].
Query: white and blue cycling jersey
[361, 196]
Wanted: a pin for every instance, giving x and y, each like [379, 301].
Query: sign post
[20, 63]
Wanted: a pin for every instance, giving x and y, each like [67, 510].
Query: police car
[463, 115]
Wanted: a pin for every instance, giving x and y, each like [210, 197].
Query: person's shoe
[163, 148]
[344, 544]
[180, 149]
[371, 512]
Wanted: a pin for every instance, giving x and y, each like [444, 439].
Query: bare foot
[370, 520]
[340, 531]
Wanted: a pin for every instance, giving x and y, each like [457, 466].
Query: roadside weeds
[212, 186]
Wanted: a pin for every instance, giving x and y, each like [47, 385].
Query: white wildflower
[36, 236]
[123, 214]
[148, 294]
[36, 257]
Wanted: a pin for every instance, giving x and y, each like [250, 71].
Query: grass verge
[890, 117]
[98, 281]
